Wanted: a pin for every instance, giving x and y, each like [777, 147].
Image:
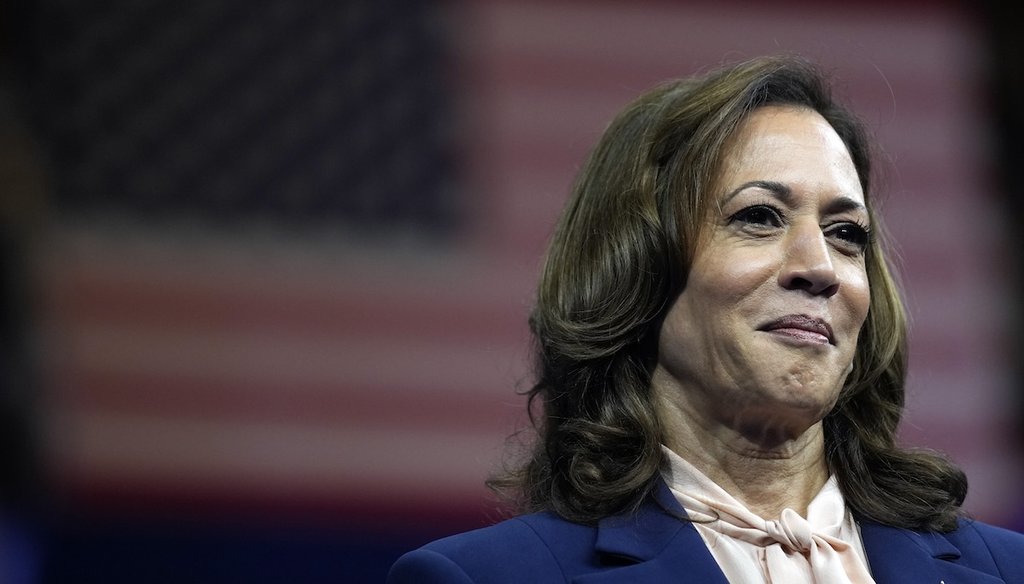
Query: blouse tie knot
[792, 531]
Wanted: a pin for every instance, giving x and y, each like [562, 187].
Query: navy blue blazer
[653, 546]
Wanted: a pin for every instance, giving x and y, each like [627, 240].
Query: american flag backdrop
[294, 244]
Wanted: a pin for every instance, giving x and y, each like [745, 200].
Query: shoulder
[533, 548]
[983, 543]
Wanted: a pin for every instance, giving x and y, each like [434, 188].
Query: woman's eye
[851, 234]
[759, 215]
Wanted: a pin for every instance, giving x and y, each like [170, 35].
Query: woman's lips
[801, 327]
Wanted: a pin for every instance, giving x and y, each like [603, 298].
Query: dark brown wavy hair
[620, 255]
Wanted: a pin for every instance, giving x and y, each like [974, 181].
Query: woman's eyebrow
[844, 204]
[777, 189]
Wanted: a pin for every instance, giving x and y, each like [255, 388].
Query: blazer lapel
[910, 557]
[653, 545]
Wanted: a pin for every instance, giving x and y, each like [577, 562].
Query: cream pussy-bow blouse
[823, 548]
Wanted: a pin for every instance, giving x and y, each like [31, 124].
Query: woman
[721, 358]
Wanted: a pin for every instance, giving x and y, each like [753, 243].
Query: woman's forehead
[792, 146]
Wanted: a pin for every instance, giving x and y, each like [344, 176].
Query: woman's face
[767, 325]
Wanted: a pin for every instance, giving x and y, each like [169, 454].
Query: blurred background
[266, 265]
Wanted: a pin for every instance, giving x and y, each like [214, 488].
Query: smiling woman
[721, 363]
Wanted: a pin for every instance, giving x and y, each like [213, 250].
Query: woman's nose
[808, 263]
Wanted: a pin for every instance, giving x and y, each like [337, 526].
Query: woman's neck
[763, 465]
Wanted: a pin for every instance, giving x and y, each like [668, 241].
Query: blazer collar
[914, 557]
[653, 545]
